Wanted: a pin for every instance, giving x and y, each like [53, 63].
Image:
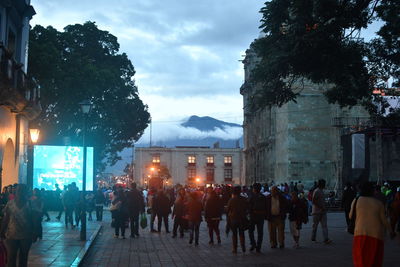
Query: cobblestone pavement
[59, 246]
[153, 249]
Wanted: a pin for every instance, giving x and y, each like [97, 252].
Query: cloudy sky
[186, 53]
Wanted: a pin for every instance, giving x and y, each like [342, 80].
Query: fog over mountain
[194, 131]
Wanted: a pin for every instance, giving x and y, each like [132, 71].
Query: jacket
[213, 208]
[237, 209]
[283, 207]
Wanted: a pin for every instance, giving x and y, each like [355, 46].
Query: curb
[82, 253]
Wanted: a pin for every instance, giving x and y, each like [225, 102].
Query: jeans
[18, 248]
[213, 226]
[276, 224]
[194, 228]
[178, 222]
[68, 215]
[320, 218]
[119, 223]
[259, 223]
[99, 213]
[237, 228]
[134, 224]
[161, 218]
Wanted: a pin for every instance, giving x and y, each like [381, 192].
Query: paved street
[59, 246]
[153, 249]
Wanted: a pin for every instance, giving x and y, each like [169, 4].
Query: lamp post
[86, 106]
[34, 137]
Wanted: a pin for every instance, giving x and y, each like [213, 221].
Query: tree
[318, 41]
[80, 63]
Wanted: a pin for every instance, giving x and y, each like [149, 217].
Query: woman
[193, 214]
[213, 213]
[298, 214]
[370, 226]
[161, 205]
[119, 212]
[237, 218]
[179, 213]
[18, 228]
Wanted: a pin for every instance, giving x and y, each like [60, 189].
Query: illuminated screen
[61, 165]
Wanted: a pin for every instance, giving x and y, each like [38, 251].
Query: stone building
[298, 141]
[190, 165]
[19, 97]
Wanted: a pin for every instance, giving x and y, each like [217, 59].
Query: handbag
[352, 223]
[143, 221]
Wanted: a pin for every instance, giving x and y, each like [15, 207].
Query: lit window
[192, 160]
[156, 160]
[228, 160]
[210, 160]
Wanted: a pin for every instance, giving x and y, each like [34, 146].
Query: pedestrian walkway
[61, 246]
[154, 249]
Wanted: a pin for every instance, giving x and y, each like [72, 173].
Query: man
[349, 194]
[319, 212]
[236, 215]
[276, 210]
[58, 197]
[135, 207]
[99, 200]
[257, 208]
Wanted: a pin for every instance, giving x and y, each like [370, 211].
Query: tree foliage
[83, 63]
[319, 41]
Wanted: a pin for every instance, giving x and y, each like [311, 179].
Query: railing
[350, 121]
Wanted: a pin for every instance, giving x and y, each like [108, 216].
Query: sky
[186, 53]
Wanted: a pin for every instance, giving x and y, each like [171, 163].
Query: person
[298, 214]
[119, 212]
[276, 210]
[319, 212]
[237, 218]
[178, 214]
[394, 212]
[45, 197]
[257, 210]
[349, 194]
[18, 228]
[370, 225]
[162, 208]
[69, 206]
[135, 208]
[89, 204]
[150, 204]
[37, 207]
[58, 194]
[99, 200]
[212, 214]
[193, 214]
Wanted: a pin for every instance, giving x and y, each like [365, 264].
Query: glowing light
[34, 135]
[198, 180]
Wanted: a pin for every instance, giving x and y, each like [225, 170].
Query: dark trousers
[60, 211]
[77, 215]
[119, 223]
[160, 218]
[99, 213]
[178, 222]
[68, 215]
[194, 228]
[213, 226]
[17, 248]
[259, 223]
[237, 228]
[152, 219]
[134, 218]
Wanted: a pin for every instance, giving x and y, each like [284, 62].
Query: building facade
[19, 96]
[298, 141]
[190, 165]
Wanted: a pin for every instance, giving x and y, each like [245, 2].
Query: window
[228, 175]
[210, 175]
[191, 174]
[228, 160]
[156, 160]
[192, 160]
[210, 160]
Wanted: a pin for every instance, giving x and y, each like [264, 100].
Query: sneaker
[252, 248]
[327, 241]
[116, 236]
[211, 242]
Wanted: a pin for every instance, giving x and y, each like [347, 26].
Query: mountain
[195, 131]
[207, 123]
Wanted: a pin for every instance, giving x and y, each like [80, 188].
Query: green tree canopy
[84, 63]
[319, 40]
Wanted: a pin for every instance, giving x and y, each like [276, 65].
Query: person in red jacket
[193, 211]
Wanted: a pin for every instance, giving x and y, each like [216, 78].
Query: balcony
[17, 92]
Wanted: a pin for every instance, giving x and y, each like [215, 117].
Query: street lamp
[86, 106]
[34, 137]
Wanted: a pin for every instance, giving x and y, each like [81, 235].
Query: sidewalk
[61, 246]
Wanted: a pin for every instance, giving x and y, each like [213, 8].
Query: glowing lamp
[34, 133]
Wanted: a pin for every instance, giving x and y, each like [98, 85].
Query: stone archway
[10, 168]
